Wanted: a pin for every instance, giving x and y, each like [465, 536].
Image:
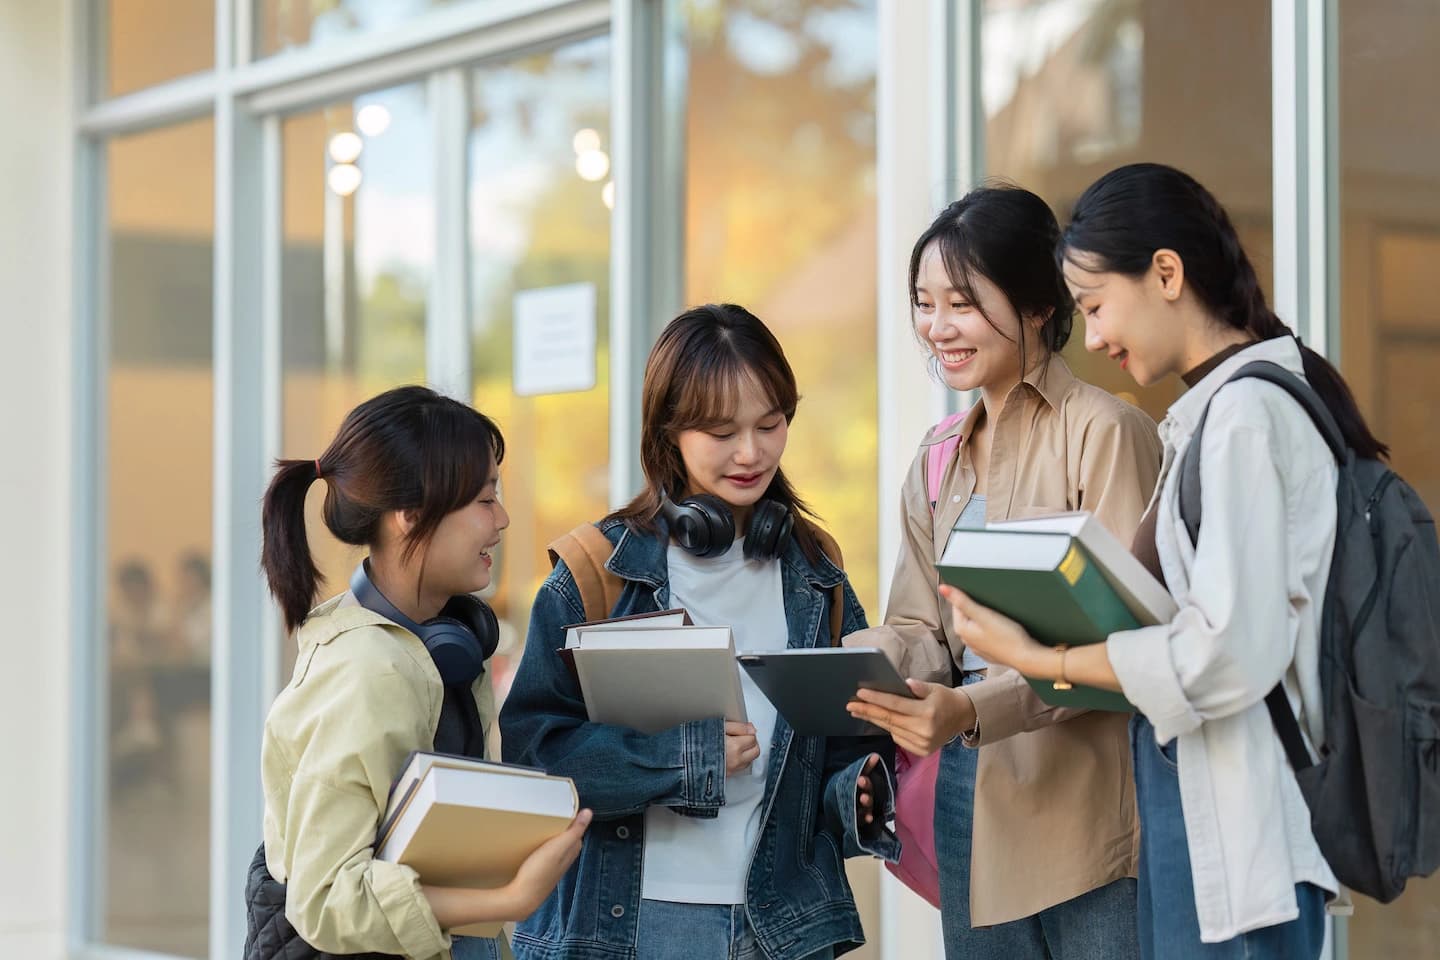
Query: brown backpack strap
[831, 549]
[585, 550]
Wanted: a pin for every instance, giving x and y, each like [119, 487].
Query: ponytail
[1129, 213]
[285, 556]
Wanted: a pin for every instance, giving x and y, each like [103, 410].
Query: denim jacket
[797, 895]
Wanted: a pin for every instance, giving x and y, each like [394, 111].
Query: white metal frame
[246, 98]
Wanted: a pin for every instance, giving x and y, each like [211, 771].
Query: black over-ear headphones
[460, 639]
[703, 525]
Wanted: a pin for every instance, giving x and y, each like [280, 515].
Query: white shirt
[689, 860]
[1250, 601]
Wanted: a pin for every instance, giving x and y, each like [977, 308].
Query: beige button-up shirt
[364, 694]
[1054, 801]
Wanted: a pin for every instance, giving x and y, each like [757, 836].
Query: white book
[470, 823]
[653, 678]
[661, 618]
[1145, 596]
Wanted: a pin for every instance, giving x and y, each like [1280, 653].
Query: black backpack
[1374, 794]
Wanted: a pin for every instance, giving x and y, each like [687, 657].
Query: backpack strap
[938, 457]
[1283, 718]
[585, 550]
[1299, 390]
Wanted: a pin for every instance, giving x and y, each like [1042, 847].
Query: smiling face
[975, 337]
[457, 558]
[736, 459]
[1133, 320]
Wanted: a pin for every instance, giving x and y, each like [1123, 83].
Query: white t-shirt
[689, 860]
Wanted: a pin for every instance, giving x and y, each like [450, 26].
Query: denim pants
[474, 948]
[1169, 925]
[1098, 925]
[700, 931]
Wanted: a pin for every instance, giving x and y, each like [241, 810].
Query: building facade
[229, 222]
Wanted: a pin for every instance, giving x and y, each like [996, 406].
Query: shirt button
[955, 499]
[623, 833]
[617, 911]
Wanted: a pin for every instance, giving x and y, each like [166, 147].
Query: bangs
[463, 454]
[708, 394]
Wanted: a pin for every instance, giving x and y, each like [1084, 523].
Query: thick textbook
[462, 822]
[1066, 579]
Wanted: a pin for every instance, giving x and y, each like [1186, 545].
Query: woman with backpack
[394, 665]
[1035, 830]
[713, 839]
[1166, 289]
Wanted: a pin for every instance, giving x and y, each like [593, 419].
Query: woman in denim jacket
[712, 839]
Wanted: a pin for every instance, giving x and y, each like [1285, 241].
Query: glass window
[154, 846]
[780, 217]
[1073, 88]
[284, 24]
[151, 41]
[788, 231]
[540, 200]
[359, 248]
[1389, 329]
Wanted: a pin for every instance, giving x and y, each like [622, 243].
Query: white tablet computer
[810, 688]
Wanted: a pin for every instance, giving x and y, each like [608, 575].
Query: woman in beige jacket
[1035, 831]
[412, 476]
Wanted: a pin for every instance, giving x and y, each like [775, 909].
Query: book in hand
[810, 687]
[462, 822]
[1065, 579]
[653, 677]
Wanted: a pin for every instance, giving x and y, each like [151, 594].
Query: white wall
[35, 212]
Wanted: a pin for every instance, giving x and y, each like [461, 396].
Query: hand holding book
[998, 639]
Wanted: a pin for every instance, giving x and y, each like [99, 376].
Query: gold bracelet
[1062, 683]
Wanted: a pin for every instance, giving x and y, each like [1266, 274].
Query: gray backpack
[1374, 794]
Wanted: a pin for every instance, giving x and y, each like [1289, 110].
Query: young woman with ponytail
[411, 477]
[1228, 865]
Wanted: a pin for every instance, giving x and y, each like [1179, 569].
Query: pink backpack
[919, 867]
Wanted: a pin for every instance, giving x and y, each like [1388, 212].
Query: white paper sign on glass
[555, 339]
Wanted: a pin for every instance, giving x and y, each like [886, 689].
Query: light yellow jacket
[364, 694]
[1054, 793]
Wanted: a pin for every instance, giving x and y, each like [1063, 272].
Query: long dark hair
[1124, 217]
[1008, 235]
[692, 381]
[407, 449]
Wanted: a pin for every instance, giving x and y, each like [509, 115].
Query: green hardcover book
[1050, 584]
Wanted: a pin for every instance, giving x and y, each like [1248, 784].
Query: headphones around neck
[460, 639]
[704, 526]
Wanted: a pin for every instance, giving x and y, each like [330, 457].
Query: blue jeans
[1169, 925]
[1098, 925]
[700, 931]
[474, 948]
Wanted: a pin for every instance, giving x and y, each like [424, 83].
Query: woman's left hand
[865, 792]
[994, 636]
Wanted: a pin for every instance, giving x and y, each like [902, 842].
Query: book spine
[1099, 602]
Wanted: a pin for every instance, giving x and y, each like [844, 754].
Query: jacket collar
[642, 557]
[1050, 381]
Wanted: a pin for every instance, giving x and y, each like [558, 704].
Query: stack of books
[461, 822]
[1064, 578]
[653, 671]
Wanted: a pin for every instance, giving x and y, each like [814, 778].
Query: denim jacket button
[617, 911]
[624, 834]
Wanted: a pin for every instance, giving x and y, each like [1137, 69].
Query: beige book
[472, 823]
[652, 678]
